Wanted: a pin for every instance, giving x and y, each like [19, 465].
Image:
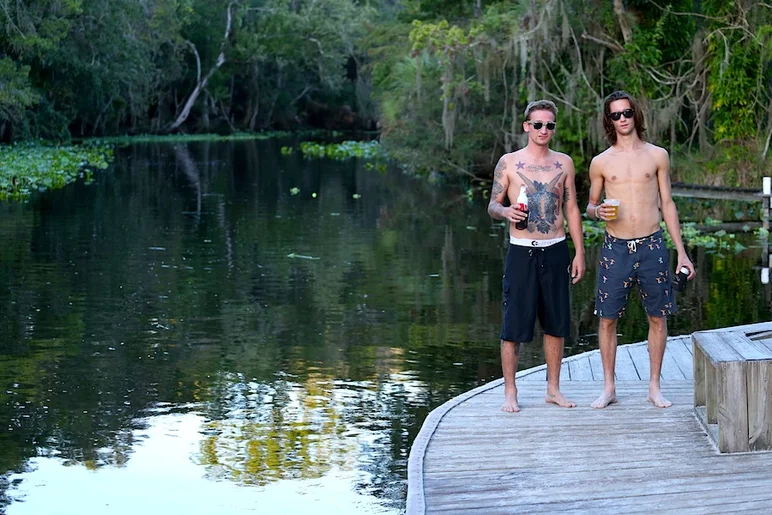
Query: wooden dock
[631, 457]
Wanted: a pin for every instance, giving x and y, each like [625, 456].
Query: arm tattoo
[566, 194]
[497, 188]
[499, 171]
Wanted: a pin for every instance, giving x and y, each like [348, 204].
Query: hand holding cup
[611, 208]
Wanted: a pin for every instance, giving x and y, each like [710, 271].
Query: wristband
[596, 211]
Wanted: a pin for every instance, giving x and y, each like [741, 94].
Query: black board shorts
[535, 286]
[642, 261]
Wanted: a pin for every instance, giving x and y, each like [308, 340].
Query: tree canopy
[444, 81]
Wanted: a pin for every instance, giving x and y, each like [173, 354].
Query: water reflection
[189, 329]
[161, 478]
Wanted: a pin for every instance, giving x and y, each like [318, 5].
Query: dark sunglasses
[616, 115]
[538, 125]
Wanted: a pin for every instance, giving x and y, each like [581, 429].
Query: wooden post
[766, 191]
[732, 409]
[760, 405]
[700, 395]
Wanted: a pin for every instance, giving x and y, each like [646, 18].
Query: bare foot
[605, 399]
[510, 401]
[559, 399]
[658, 400]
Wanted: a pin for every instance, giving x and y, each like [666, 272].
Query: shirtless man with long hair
[634, 252]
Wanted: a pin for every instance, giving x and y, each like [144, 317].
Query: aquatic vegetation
[29, 167]
[714, 242]
[344, 150]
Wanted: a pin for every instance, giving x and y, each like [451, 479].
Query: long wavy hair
[608, 125]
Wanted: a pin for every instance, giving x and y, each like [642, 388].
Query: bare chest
[636, 169]
[544, 183]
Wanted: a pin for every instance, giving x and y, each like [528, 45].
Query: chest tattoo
[543, 203]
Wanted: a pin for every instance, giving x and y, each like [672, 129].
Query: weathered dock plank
[580, 368]
[625, 369]
[639, 352]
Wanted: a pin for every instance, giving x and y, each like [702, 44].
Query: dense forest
[444, 82]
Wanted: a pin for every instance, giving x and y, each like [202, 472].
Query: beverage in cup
[612, 205]
[679, 281]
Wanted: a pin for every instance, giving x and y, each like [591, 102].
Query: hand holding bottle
[522, 205]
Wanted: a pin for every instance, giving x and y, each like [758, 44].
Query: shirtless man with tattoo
[536, 273]
[634, 252]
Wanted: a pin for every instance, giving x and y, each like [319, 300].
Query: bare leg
[553, 352]
[657, 342]
[510, 355]
[607, 341]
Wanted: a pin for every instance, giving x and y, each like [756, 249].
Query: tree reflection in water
[168, 307]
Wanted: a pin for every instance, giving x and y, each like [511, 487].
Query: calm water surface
[186, 335]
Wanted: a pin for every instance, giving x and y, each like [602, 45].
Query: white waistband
[524, 242]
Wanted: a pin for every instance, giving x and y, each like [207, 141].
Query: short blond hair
[541, 105]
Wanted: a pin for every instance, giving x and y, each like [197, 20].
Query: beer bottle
[522, 205]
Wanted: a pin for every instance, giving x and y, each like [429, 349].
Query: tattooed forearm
[495, 209]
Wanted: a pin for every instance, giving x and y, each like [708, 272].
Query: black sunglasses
[538, 125]
[616, 115]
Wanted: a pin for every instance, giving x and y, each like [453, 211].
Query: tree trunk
[703, 123]
[203, 82]
[624, 22]
[256, 94]
[205, 121]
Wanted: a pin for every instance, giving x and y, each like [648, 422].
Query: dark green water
[185, 335]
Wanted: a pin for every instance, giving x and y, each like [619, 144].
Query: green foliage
[487, 67]
[717, 242]
[29, 167]
[106, 67]
[344, 150]
[628, 69]
[444, 80]
[440, 38]
[16, 93]
[735, 66]
[431, 9]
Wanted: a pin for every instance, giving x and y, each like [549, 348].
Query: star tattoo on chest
[558, 165]
[520, 165]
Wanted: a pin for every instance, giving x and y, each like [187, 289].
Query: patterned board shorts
[642, 261]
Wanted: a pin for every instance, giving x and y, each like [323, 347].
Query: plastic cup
[612, 204]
